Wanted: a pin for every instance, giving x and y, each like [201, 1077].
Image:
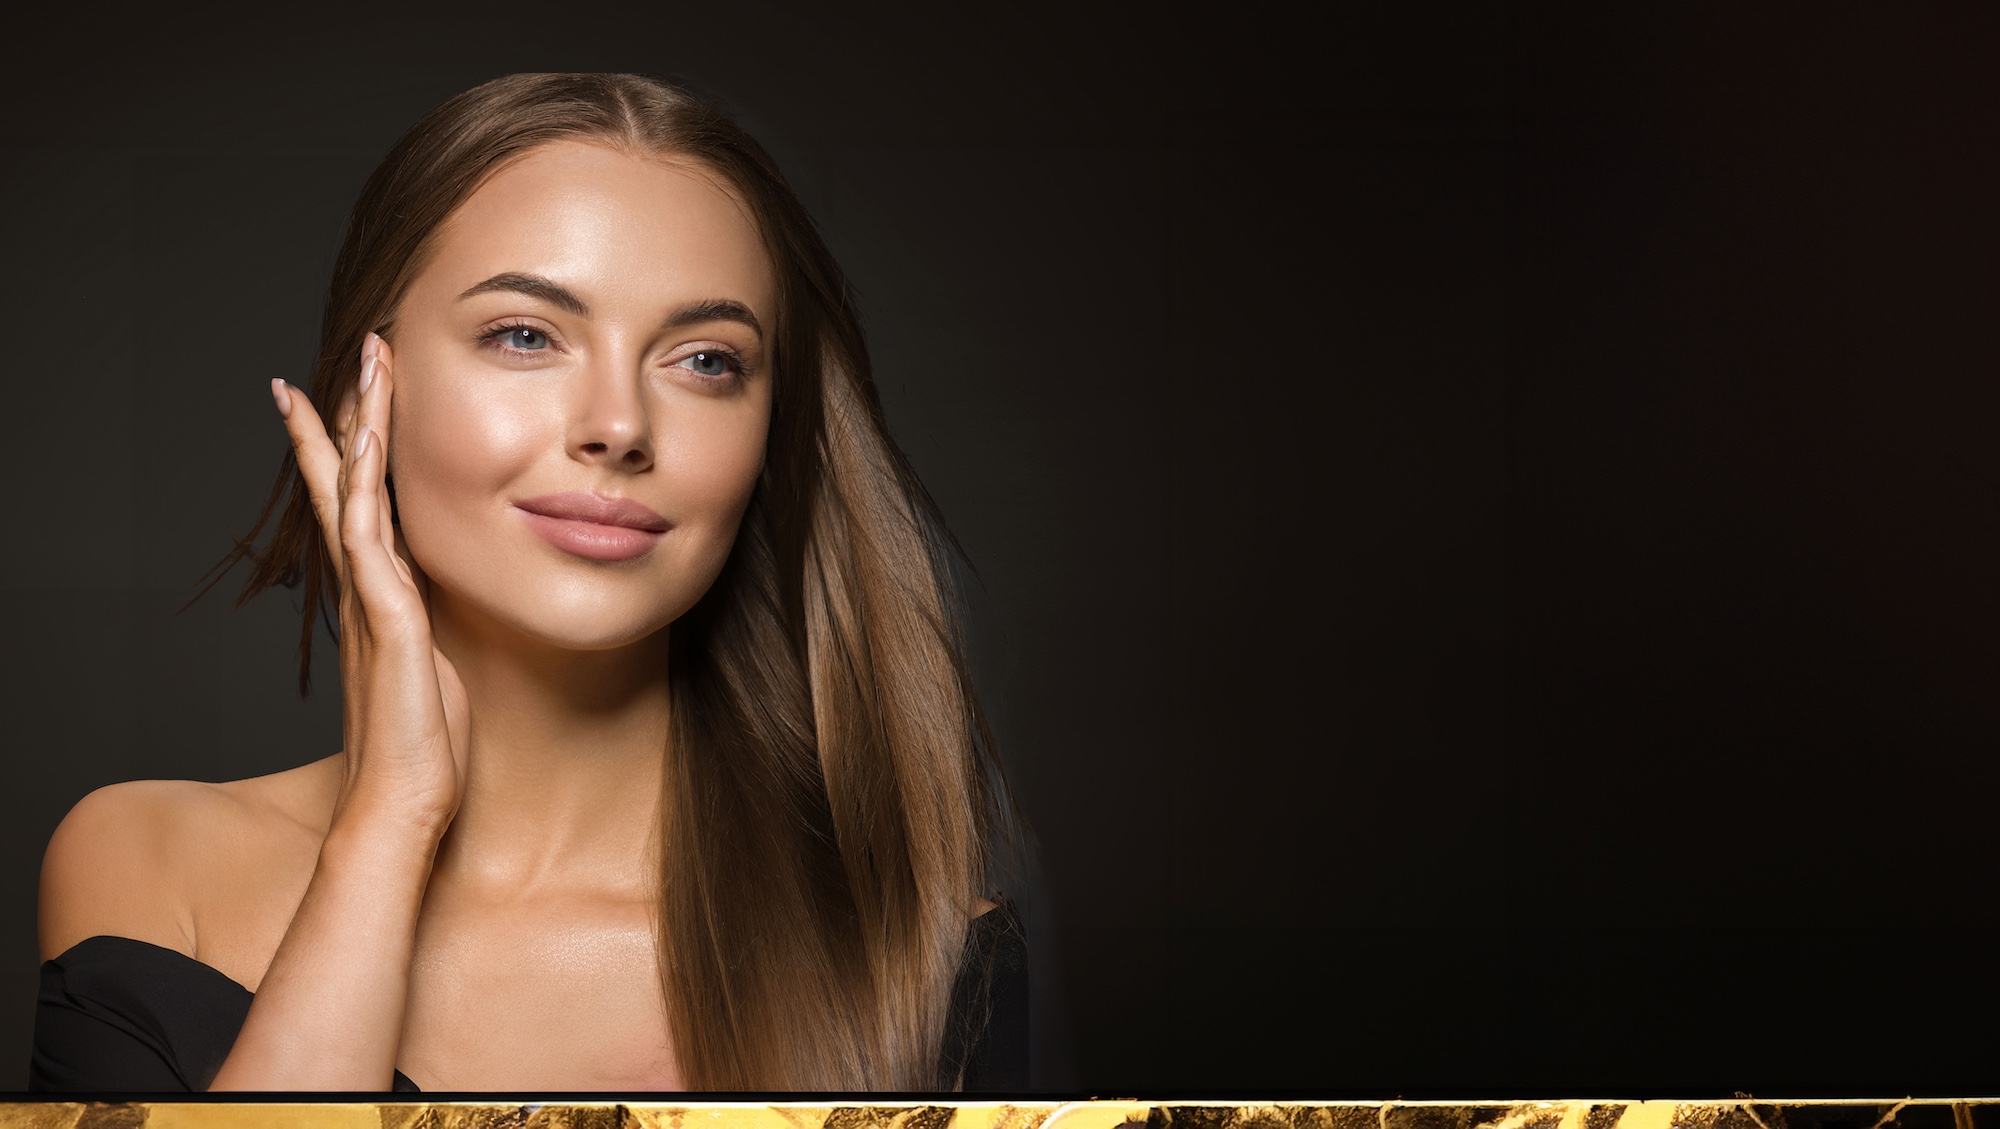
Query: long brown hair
[830, 800]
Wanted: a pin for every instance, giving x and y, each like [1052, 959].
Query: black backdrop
[1484, 516]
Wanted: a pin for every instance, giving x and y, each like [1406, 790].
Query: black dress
[122, 1016]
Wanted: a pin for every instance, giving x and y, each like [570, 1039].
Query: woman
[662, 769]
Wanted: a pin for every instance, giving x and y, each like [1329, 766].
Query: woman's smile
[583, 354]
[604, 529]
[542, 859]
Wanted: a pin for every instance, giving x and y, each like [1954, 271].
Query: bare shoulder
[184, 864]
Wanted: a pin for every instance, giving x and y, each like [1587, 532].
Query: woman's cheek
[715, 470]
[453, 469]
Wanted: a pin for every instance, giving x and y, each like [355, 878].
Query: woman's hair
[830, 801]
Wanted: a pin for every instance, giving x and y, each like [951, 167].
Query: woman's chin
[555, 625]
[583, 633]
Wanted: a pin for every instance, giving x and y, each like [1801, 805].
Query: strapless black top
[117, 1015]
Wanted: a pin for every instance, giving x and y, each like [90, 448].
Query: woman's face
[580, 395]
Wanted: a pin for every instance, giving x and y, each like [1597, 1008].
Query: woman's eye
[517, 339]
[526, 339]
[710, 363]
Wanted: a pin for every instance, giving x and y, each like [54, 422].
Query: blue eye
[517, 338]
[710, 364]
[526, 339]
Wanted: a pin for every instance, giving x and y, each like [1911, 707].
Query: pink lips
[604, 529]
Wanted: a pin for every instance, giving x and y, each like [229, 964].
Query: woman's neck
[563, 775]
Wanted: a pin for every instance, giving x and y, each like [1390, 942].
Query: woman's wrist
[365, 819]
[380, 842]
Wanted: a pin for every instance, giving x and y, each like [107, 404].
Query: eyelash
[492, 335]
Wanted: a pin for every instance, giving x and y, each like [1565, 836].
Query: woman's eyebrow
[534, 286]
[561, 297]
[715, 309]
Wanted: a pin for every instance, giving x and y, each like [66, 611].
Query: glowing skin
[465, 892]
[615, 403]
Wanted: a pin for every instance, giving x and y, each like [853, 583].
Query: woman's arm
[329, 1012]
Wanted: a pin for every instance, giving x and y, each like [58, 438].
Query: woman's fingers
[417, 576]
[367, 535]
[382, 391]
[343, 417]
[360, 521]
[320, 463]
[328, 462]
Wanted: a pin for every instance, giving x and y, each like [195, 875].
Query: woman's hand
[406, 723]
[328, 1014]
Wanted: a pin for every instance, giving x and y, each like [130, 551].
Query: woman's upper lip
[579, 506]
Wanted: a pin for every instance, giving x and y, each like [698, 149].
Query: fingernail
[283, 396]
[361, 445]
[367, 371]
[369, 345]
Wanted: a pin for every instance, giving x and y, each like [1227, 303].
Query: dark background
[1484, 516]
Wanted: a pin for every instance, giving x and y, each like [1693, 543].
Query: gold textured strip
[1597, 1113]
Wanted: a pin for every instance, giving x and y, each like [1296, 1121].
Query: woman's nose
[610, 423]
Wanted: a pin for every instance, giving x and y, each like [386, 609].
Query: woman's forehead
[616, 227]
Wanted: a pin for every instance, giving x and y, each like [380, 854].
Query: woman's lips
[603, 529]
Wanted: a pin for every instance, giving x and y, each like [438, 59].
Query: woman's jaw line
[494, 656]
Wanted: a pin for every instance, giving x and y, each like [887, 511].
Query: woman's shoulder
[184, 864]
